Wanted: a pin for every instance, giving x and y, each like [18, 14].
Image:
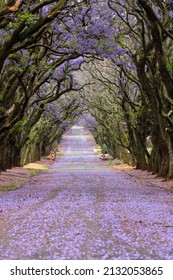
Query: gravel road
[83, 209]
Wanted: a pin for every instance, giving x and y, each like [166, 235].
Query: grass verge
[9, 187]
[17, 177]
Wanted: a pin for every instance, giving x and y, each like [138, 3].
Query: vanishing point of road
[83, 209]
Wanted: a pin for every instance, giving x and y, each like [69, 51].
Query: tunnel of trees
[106, 63]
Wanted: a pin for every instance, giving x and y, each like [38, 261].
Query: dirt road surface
[83, 209]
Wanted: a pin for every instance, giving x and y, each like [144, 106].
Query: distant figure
[52, 155]
[104, 151]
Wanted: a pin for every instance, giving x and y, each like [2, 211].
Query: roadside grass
[120, 165]
[9, 187]
[97, 153]
[33, 172]
[115, 161]
[13, 186]
[59, 154]
[32, 169]
[36, 166]
[97, 150]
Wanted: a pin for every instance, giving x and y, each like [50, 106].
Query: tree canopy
[108, 63]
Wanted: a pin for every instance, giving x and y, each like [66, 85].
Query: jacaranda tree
[40, 43]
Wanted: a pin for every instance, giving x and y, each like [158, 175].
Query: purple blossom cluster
[90, 30]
